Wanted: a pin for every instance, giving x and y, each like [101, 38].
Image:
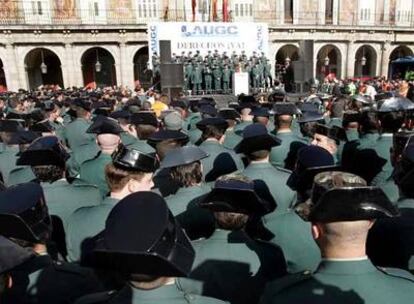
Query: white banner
[209, 36]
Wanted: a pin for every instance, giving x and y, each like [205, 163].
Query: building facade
[61, 41]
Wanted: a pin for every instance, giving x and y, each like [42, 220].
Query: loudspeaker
[165, 51]
[172, 75]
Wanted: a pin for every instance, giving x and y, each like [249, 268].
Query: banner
[209, 36]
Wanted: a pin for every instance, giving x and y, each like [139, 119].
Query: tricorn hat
[336, 133]
[162, 249]
[105, 125]
[144, 118]
[43, 151]
[130, 159]
[163, 135]
[183, 156]
[212, 121]
[12, 255]
[339, 196]
[24, 214]
[255, 138]
[235, 196]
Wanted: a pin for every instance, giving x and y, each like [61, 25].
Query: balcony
[134, 17]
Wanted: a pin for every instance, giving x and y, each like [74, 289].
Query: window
[366, 12]
[36, 11]
[146, 9]
[403, 12]
[96, 8]
[289, 11]
[243, 10]
[329, 11]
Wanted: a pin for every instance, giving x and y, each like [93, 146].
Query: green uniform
[391, 190]
[217, 74]
[86, 223]
[93, 172]
[168, 294]
[275, 180]
[63, 199]
[226, 80]
[134, 143]
[208, 79]
[255, 74]
[234, 267]
[20, 175]
[293, 236]
[196, 221]
[197, 78]
[191, 120]
[8, 159]
[188, 71]
[342, 282]
[232, 139]
[79, 156]
[220, 161]
[284, 156]
[75, 133]
[374, 156]
[41, 280]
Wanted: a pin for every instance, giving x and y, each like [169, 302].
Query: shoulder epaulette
[284, 170]
[397, 273]
[94, 298]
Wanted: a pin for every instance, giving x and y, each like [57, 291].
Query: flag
[225, 11]
[193, 7]
[214, 10]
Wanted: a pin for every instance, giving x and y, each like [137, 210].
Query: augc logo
[210, 30]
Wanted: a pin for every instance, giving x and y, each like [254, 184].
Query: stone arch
[398, 52]
[43, 67]
[366, 59]
[98, 67]
[3, 81]
[142, 75]
[287, 51]
[324, 67]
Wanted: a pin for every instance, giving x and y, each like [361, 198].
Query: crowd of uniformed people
[111, 197]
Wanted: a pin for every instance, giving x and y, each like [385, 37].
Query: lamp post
[287, 60]
[98, 65]
[43, 66]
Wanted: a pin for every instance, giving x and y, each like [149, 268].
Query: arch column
[350, 60]
[10, 68]
[385, 58]
[69, 68]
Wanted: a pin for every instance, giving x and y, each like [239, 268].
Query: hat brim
[256, 143]
[13, 226]
[40, 158]
[177, 264]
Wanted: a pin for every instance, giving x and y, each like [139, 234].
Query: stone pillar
[127, 68]
[385, 58]
[335, 15]
[10, 69]
[321, 12]
[386, 11]
[350, 60]
[69, 67]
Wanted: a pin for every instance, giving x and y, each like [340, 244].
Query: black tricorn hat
[22, 137]
[212, 121]
[336, 133]
[163, 135]
[183, 156]
[162, 249]
[83, 104]
[339, 196]
[130, 159]
[255, 138]
[24, 214]
[105, 125]
[43, 151]
[144, 118]
[43, 127]
[12, 255]
[235, 196]
[229, 113]
[285, 108]
[12, 125]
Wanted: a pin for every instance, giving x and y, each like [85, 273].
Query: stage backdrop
[192, 36]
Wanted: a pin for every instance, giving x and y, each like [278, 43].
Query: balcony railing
[134, 17]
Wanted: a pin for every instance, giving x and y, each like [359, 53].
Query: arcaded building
[61, 41]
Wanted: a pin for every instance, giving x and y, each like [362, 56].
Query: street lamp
[363, 59]
[326, 60]
[287, 60]
[98, 65]
[43, 66]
